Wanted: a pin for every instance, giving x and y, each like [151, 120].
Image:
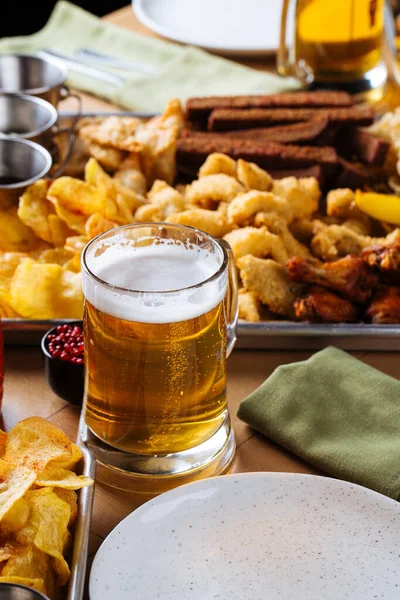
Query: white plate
[254, 536]
[232, 27]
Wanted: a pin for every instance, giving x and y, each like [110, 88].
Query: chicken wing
[319, 305]
[385, 306]
[349, 276]
[385, 252]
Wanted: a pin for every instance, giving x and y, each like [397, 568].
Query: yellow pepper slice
[383, 207]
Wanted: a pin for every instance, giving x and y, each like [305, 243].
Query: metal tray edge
[82, 529]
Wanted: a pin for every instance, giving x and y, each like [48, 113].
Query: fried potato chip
[34, 290]
[97, 224]
[48, 524]
[36, 584]
[15, 236]
[16, 517]
[8, 264]
[3, 440]
[62, 478]
[8, 547]
[127, 200]
[73, 220]
[7, 312]
[253, 177]
[32, 564]
[68, 301]
[80, 198]
[212, 189]
[74, 264]
[59, 230]
[34, 442]
[76, 244]
[69, 463]
[218, 163]
[34, 209]
[70, 497]
[15, 482]
[56, 256]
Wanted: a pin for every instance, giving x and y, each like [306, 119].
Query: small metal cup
[35, 119]
[34, 76]
[21, 163]
[14, 591]
[31, 118]
[25, 74]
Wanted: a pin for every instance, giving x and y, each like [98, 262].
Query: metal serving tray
[268, 335]
[81, 531]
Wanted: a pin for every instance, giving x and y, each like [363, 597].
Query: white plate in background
[254, 536]
[232, 27]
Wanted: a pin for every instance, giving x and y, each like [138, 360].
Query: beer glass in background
[160, 319]
[333, 43]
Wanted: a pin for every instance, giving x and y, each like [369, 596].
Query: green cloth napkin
[184, 71]
[336, 413]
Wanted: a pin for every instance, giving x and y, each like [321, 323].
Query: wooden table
[27, 394]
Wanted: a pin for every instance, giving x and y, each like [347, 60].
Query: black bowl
[65, 378]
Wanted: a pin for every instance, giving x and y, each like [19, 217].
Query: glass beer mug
[333, 43]
[160, 319]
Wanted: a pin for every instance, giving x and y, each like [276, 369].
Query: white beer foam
[151, 270]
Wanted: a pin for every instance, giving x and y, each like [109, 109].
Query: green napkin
[336, 413]
[184, 71]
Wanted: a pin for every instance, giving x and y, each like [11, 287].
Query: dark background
[28, 16]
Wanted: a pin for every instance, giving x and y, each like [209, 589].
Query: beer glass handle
[286, 65]
[231, 301]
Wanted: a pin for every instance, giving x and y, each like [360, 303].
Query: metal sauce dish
[27, 117]
[21, 163]
[20, 73]
[14, 591]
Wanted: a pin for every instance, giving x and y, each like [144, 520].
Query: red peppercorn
[67, 344]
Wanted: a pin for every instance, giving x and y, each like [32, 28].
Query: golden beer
[334, 44]
[155, 388]
[339, 37]
[158, 326]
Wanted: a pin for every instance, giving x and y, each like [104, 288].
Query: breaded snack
[341, 203]
[257, 241]
[334, 241]
[211, 221]
[270, 282]
[167, 198]
[275, 224]
[218, 163]
[249, 306]
[303, 195]
[245, 206]
[212, 189]
[253, 177]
